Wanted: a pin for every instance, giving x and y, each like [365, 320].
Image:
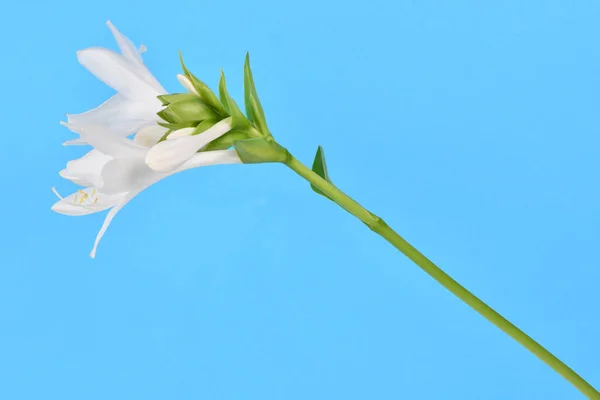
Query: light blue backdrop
[471, 127]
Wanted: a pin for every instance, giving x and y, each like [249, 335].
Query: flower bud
[167, 99]
[187, 84]
[190, 110]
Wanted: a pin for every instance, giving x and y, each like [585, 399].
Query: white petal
[109, 217]
[86, 171]
[121, 115]
[187, 84]
[75, 142]
[168, 155]
[75, 179]
[133, 55]
[149, 135]
[108, 142]
[128, 49]
[206, 158]
[85, 201]
[127, 174]
[179, 133]
[115, 71]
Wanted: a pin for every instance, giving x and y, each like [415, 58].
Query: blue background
[471, 127]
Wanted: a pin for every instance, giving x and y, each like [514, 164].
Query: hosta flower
[135, 104]
[173, 132]
[115, 171]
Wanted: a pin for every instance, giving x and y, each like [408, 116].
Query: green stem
[377, 225]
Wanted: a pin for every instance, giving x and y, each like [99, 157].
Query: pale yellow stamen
[75, 199]
[93, 192]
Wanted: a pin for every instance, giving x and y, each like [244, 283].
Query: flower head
[173, 132]
[115, 170]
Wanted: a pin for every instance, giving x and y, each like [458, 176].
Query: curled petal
[86, 171]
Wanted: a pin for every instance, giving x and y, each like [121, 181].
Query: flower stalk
[378, 225]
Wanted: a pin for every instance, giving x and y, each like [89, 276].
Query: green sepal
[203, 90]
[167, 99]
[248, 88]
[180, 125]
[204, 125]
[259, 150]
[169, 116]
[164, 137]
[238, 120]
[260, 121]
[192, 110]
[319, 167]
[223, 93]
[254, 109]
[227, 140]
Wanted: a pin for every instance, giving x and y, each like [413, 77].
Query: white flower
[135, 105]
[115, 171]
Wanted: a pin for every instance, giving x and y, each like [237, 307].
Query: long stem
[377, 225]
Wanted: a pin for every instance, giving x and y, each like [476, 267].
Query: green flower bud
[201, 109]
[203, 90]
[204, 125]
[169, 116]
[177, 126]
[188, 110]
[167, 99]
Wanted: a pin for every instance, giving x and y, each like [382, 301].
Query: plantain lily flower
[115, 171]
